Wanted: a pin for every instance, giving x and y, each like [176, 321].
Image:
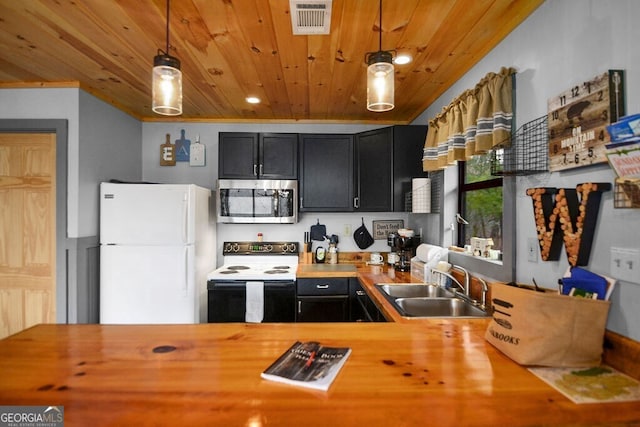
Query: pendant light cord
[168, 1]
[380, 25]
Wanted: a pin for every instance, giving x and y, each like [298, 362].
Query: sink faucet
[453, 279]
[467, 278]
[485, 290]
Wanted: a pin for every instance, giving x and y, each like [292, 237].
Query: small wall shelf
[526, 153]
[626, 193]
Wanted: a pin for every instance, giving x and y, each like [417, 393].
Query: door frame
[60, 128]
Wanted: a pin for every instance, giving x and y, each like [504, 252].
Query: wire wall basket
[626, 193]
[526, 153]
[436, 184]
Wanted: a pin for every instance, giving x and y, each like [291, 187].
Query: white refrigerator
[157, 244]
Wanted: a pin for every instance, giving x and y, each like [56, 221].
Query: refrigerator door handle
[186, 271]
[185, 218]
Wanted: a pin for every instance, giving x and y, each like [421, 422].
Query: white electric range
[266, 269]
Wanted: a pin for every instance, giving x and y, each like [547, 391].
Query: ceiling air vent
[310, 16]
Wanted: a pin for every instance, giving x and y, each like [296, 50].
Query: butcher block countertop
[431, 373]
[428, 372]
[312, 271]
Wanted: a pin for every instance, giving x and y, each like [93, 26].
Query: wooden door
[27, 231]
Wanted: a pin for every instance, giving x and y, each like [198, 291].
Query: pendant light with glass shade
[166, 81]
[380, 77]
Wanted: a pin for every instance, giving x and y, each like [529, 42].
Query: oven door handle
[278, 284]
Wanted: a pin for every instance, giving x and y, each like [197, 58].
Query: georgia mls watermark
[31, 416]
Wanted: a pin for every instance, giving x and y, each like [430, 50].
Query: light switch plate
[532, 249]
[625, 264]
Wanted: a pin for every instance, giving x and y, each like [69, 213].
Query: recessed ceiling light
[402, 59]
[253, 100]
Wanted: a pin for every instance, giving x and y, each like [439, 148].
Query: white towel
[254, 305]
[431, 255]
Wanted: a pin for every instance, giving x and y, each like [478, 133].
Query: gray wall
[562, 43]
[108, 147]
[154, 134]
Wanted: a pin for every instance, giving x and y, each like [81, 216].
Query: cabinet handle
[255, 169]
[356, 202]
[360, 293]
[261, 169]
[299, 307]
[325, 286]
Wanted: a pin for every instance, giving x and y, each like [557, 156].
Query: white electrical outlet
[625, 264]
[532, 249]
[347, 230]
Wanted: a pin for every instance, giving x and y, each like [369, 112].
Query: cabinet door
[363, 309]
[278, 154]
[408, 147]
[238, 155]
[326, 173]
[323, 308]
[373, 170]
[280, 302]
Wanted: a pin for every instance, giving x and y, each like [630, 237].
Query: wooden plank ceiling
[231, 49]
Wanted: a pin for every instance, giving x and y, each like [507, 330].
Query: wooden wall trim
[622, 353]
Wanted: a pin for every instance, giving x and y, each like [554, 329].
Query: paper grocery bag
[545, 328]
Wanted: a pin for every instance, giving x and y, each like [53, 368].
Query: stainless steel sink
[422, 300]
[438, 307]
[414, 290]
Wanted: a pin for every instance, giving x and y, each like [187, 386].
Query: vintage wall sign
[562, 216]
[381, 229]
[578, 117]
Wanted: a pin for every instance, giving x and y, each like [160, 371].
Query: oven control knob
[236, 247]
[227, 247]
[268, 248]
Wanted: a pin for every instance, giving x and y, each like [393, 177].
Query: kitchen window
[479, 202]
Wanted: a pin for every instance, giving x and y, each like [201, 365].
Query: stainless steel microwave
[257, 201]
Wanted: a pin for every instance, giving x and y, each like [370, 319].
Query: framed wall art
[382, 228]
[577, 120]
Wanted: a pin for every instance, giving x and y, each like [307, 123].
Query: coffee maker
[403, 246]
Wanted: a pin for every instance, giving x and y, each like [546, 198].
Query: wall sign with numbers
[578, 118]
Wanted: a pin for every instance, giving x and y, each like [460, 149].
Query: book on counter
[308, 364]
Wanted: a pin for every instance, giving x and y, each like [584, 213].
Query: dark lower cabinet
[363, 309]
[323, 309]
[323, 300]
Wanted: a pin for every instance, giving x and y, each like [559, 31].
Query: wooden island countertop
[429, 372]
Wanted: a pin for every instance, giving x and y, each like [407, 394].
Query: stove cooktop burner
[276, 271]
[238, 267]
[281, 267]
[228, 271]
